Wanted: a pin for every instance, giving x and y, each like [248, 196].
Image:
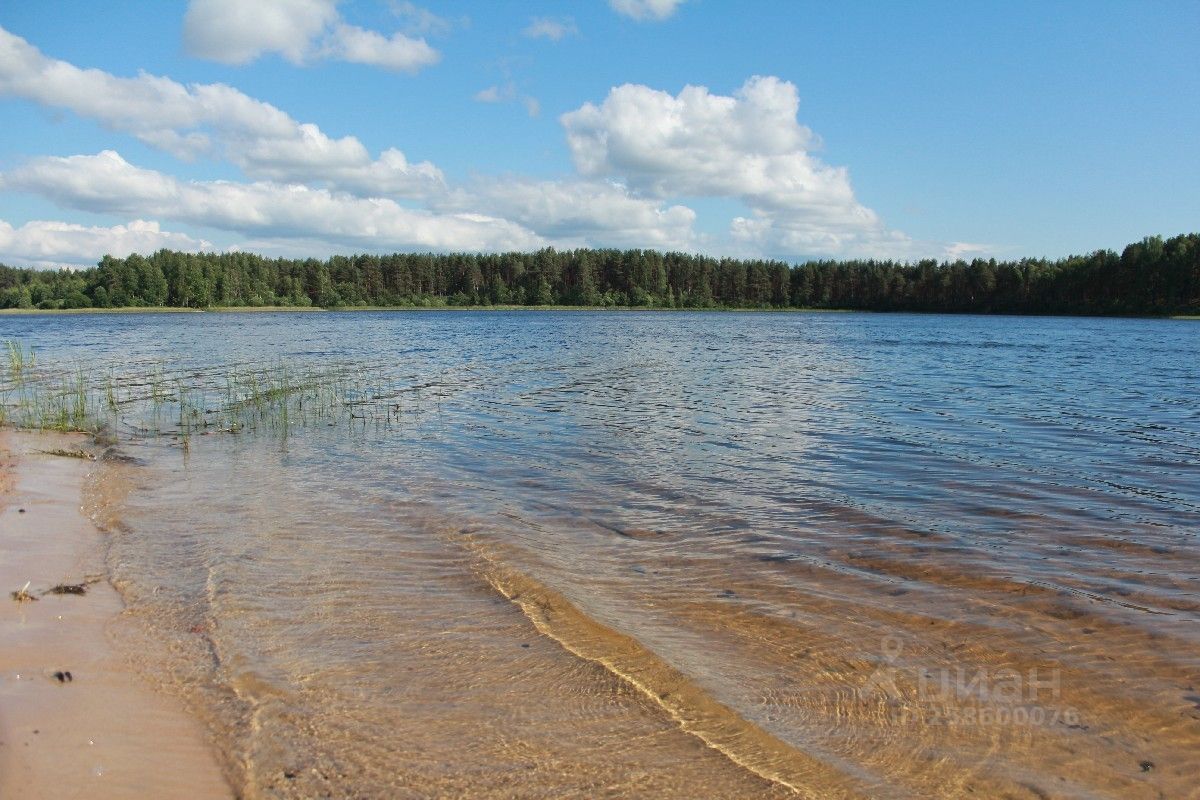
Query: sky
[787, 130]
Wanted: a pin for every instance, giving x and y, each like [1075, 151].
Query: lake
[590, 554]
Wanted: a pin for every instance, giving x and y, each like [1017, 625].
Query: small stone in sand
[63, 676]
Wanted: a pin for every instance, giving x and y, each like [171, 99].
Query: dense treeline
[1150, 277]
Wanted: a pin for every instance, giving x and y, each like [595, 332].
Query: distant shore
[344, 309]
[75, 720]
[350, 309]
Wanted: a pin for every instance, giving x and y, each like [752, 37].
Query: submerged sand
[103, 733]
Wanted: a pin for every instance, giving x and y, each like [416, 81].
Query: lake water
[595, 554]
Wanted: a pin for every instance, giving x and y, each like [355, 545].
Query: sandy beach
[100, 732]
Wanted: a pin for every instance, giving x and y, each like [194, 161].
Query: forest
[1150, 277]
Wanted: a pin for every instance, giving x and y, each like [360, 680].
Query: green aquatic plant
[110, 392]
[19, 361]
[152, 399]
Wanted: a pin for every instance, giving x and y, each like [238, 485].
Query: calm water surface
[677, 555]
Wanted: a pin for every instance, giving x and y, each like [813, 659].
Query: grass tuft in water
[154, 400]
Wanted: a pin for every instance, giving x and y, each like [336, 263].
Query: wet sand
[103, 734]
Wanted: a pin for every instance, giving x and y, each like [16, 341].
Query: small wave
[696, 712]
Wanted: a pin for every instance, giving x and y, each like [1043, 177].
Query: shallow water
[677, 555]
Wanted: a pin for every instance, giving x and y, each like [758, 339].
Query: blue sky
[308, 127]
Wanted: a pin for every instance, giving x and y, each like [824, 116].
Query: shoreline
[34, 312]
[134, 310]
[100, 733]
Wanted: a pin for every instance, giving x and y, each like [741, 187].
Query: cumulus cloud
[553, 29]
[646, 9]
[748, 146]
[787, 236]
[234, 32]
[699, 143]
[45, 243]
[576, 213]
[339, 177]
[638, 154]
[210, 119]
[359, 46]
[108, 183]
[238, 32]
[492, 214]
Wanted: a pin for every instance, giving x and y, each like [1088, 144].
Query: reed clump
[153, 399]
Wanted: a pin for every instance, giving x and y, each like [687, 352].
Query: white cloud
[578, 213]
[344, 167]
[965, 250]
[507, 93]
[420, 20]
[280, 152]
[400, 52]
[157, 110]
[45, 243]
[492, 214]
[646, 9]
[553, 29]
[747, 146]
[238, 32]
[700, 143]
[495, 94]
[637, 154]
[107, 183]
[787, 236]
[210, 119]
